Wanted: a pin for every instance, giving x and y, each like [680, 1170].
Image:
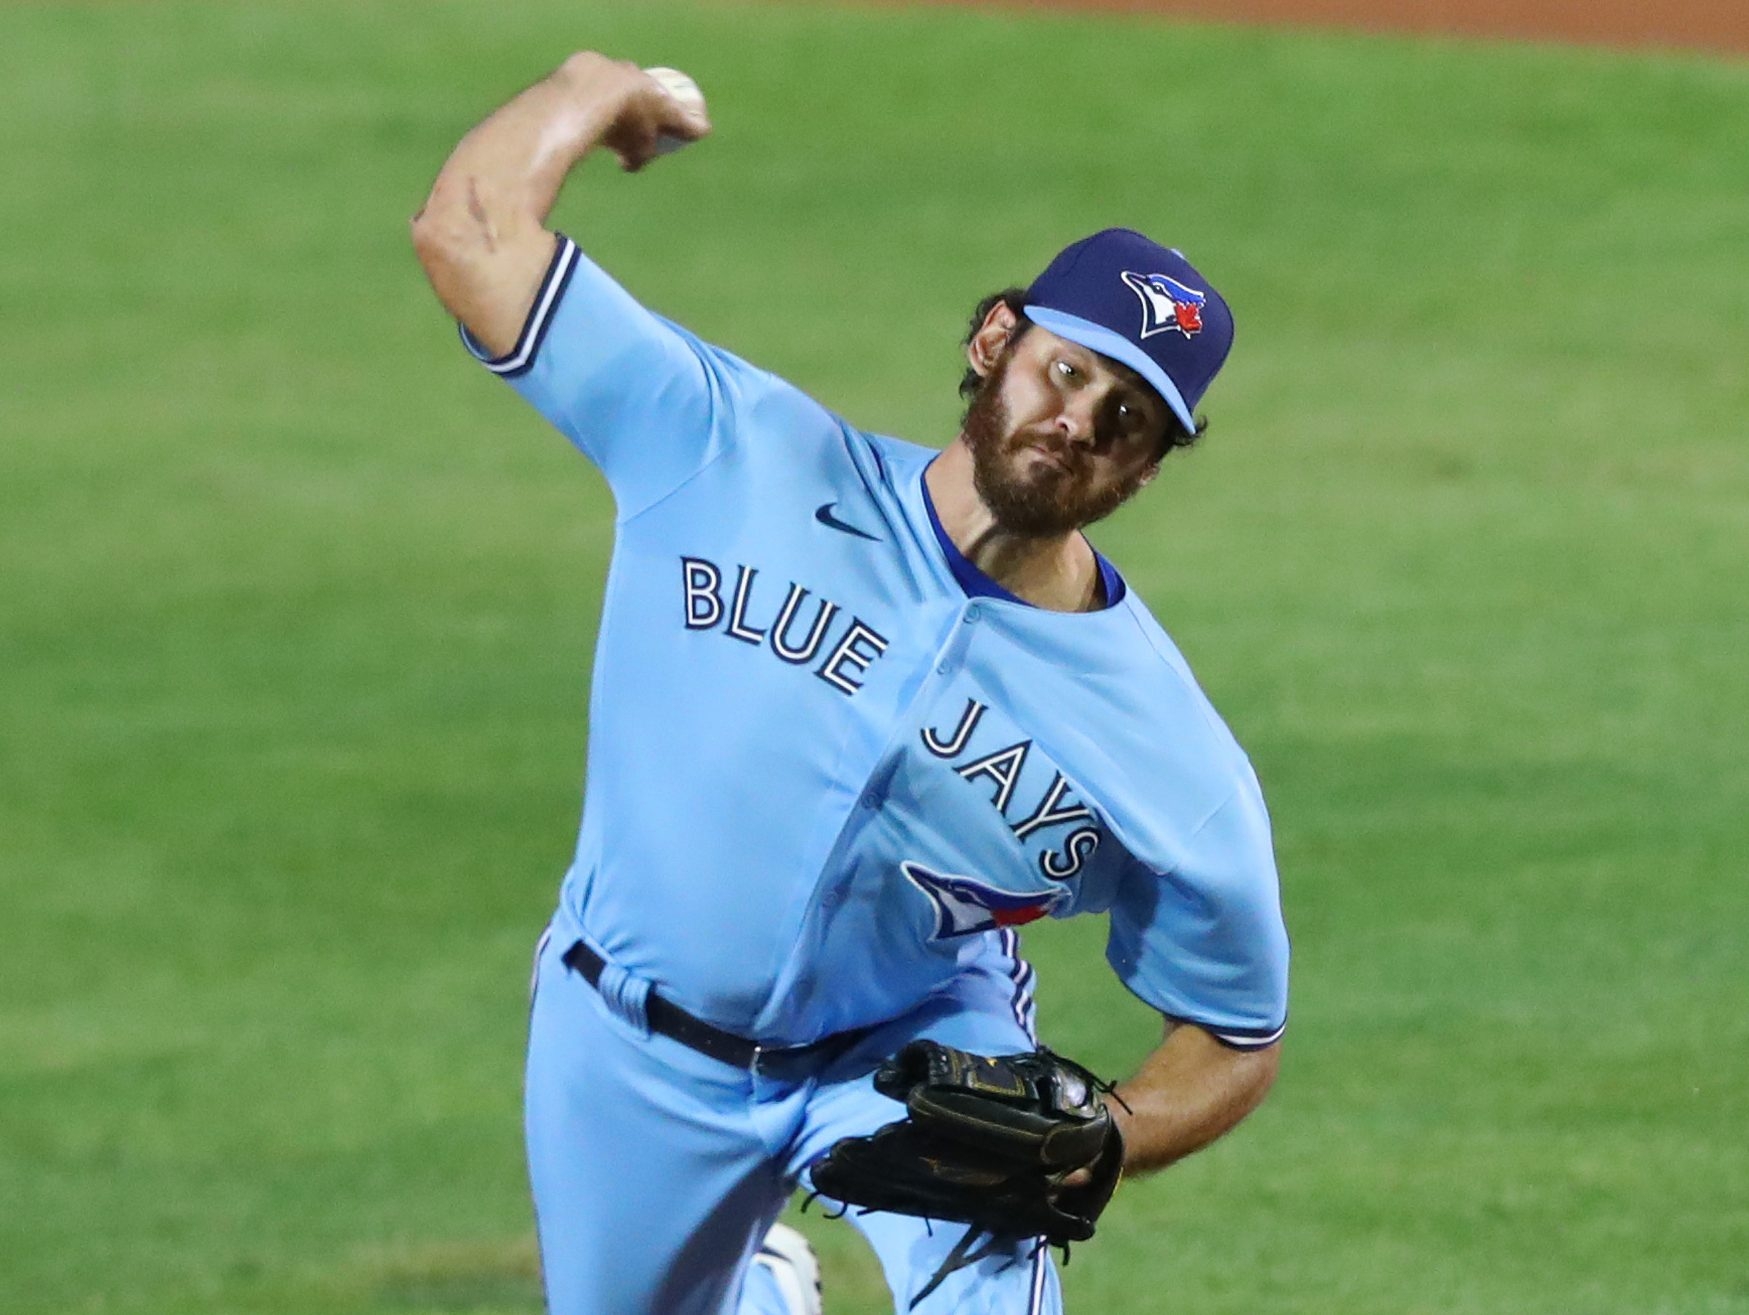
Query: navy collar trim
[978, 585]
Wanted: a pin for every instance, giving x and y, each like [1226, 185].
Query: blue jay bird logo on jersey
[964, 905]
[1167, 304]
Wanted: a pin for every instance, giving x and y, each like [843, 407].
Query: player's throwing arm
[481, 234]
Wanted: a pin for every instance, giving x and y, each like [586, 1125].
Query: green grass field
[296, 610]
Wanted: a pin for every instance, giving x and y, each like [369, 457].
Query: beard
[1029, 497]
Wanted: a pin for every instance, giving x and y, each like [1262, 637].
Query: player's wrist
[594, 91]
[1123, 1127]
[634, 112]
[590, 69]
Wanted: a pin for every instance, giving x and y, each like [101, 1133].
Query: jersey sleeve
[1205, 943]
[646, 401]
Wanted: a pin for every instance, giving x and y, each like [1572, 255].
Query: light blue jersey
[821, 776]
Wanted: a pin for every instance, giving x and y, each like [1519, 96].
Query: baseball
[686, 94]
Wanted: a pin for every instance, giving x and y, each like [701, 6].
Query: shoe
[792, 1262]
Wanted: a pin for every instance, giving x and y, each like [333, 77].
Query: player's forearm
[509, 169]
[1189, 1092]
[481, 230]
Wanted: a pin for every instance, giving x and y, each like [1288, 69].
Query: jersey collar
[979, 585]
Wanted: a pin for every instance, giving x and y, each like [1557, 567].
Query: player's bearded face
[1034, 480]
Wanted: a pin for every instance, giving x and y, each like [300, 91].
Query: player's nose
[1078, 420]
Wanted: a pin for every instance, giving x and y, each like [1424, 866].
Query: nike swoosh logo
[825, 517]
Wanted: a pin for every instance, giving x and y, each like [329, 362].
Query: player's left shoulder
[1174, 691]
[1112, 703]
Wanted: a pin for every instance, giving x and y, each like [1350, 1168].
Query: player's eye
[1068, 371]
[1131, 416]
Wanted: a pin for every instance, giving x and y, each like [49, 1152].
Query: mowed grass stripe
[296, 607]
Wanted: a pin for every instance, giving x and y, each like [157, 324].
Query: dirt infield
[1718, 25]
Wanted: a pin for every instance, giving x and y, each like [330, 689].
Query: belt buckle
[775, 1062]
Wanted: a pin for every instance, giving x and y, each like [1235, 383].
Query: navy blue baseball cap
[1125, 296]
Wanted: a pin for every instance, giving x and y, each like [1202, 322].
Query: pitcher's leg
[652, 1187]
[988, 1011]
[1015, 1280]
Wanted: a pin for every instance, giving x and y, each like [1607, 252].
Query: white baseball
[686, 94]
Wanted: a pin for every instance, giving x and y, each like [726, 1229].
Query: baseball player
[860, 709]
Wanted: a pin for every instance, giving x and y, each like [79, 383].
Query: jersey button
[871, 800]
[972, 611]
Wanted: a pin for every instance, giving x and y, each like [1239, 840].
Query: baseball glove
[986, 1142]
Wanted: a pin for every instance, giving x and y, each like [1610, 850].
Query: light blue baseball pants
[656, 1170]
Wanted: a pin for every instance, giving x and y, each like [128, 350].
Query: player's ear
[984, 347]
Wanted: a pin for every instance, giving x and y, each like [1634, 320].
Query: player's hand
[642, 111]
[1121, 1116]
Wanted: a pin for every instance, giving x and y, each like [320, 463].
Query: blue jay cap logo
[1127, 297]
[1167, 304]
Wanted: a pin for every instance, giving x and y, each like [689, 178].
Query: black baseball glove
[986, 1142]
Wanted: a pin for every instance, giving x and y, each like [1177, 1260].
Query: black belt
[672, 1021]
